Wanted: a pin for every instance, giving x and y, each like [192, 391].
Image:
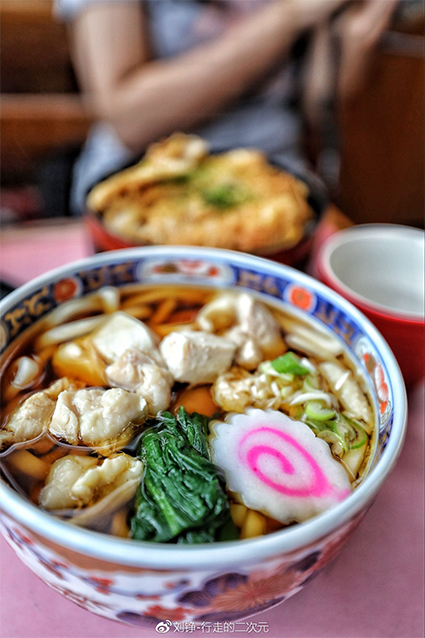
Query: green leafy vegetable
[182, 497]
[289, 363]
[224, 195]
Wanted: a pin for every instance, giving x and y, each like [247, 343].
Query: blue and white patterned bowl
[147, 584]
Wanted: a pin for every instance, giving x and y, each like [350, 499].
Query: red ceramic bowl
[104, 239]
[380, 269]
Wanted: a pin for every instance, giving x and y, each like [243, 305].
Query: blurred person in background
[219, 68]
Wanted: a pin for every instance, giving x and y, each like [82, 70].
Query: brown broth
[25, 466]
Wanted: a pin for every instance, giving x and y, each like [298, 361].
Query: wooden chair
[41, 110]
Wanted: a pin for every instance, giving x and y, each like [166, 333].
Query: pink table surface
[373, 589]
[29, 251]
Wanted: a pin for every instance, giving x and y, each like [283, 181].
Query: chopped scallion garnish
[289, 363]
[317, 411]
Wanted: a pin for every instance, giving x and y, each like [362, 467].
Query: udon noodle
[181, 414]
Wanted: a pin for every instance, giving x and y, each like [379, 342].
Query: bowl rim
[127, 552]
[328, 275]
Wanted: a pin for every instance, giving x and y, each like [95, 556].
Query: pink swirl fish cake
[277, 465]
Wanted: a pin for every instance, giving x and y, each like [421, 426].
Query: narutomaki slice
[277, 465]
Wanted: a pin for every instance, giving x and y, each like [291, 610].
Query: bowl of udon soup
[187, 434]
[180, 193]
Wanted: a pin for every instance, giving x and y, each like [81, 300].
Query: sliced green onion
[225, 195]
[311, 384]
[361, 437]
[312, 425]
[342, 433]
[344, 428]
[335, 440]
[309, 365]
[286, 392]
[317, 395]
[267, 368]
[289, 363]
[318, 412]
[297, 414]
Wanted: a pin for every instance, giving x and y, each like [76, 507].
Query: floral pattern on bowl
[151, 596]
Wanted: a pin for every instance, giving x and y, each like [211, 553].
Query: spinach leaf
[182, 497]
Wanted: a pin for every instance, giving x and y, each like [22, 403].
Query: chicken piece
[249, 354]
[80, 481]
[138, 372]
[258, 323]
[196, 357]
[96, 416]
[121, 332]
[33, 416]
[346, 388]
[254, 329]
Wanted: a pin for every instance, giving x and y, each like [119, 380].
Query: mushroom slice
[105, 300]
[68, 331]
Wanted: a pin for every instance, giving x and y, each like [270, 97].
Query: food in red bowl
[180, 194]
[380, 269]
